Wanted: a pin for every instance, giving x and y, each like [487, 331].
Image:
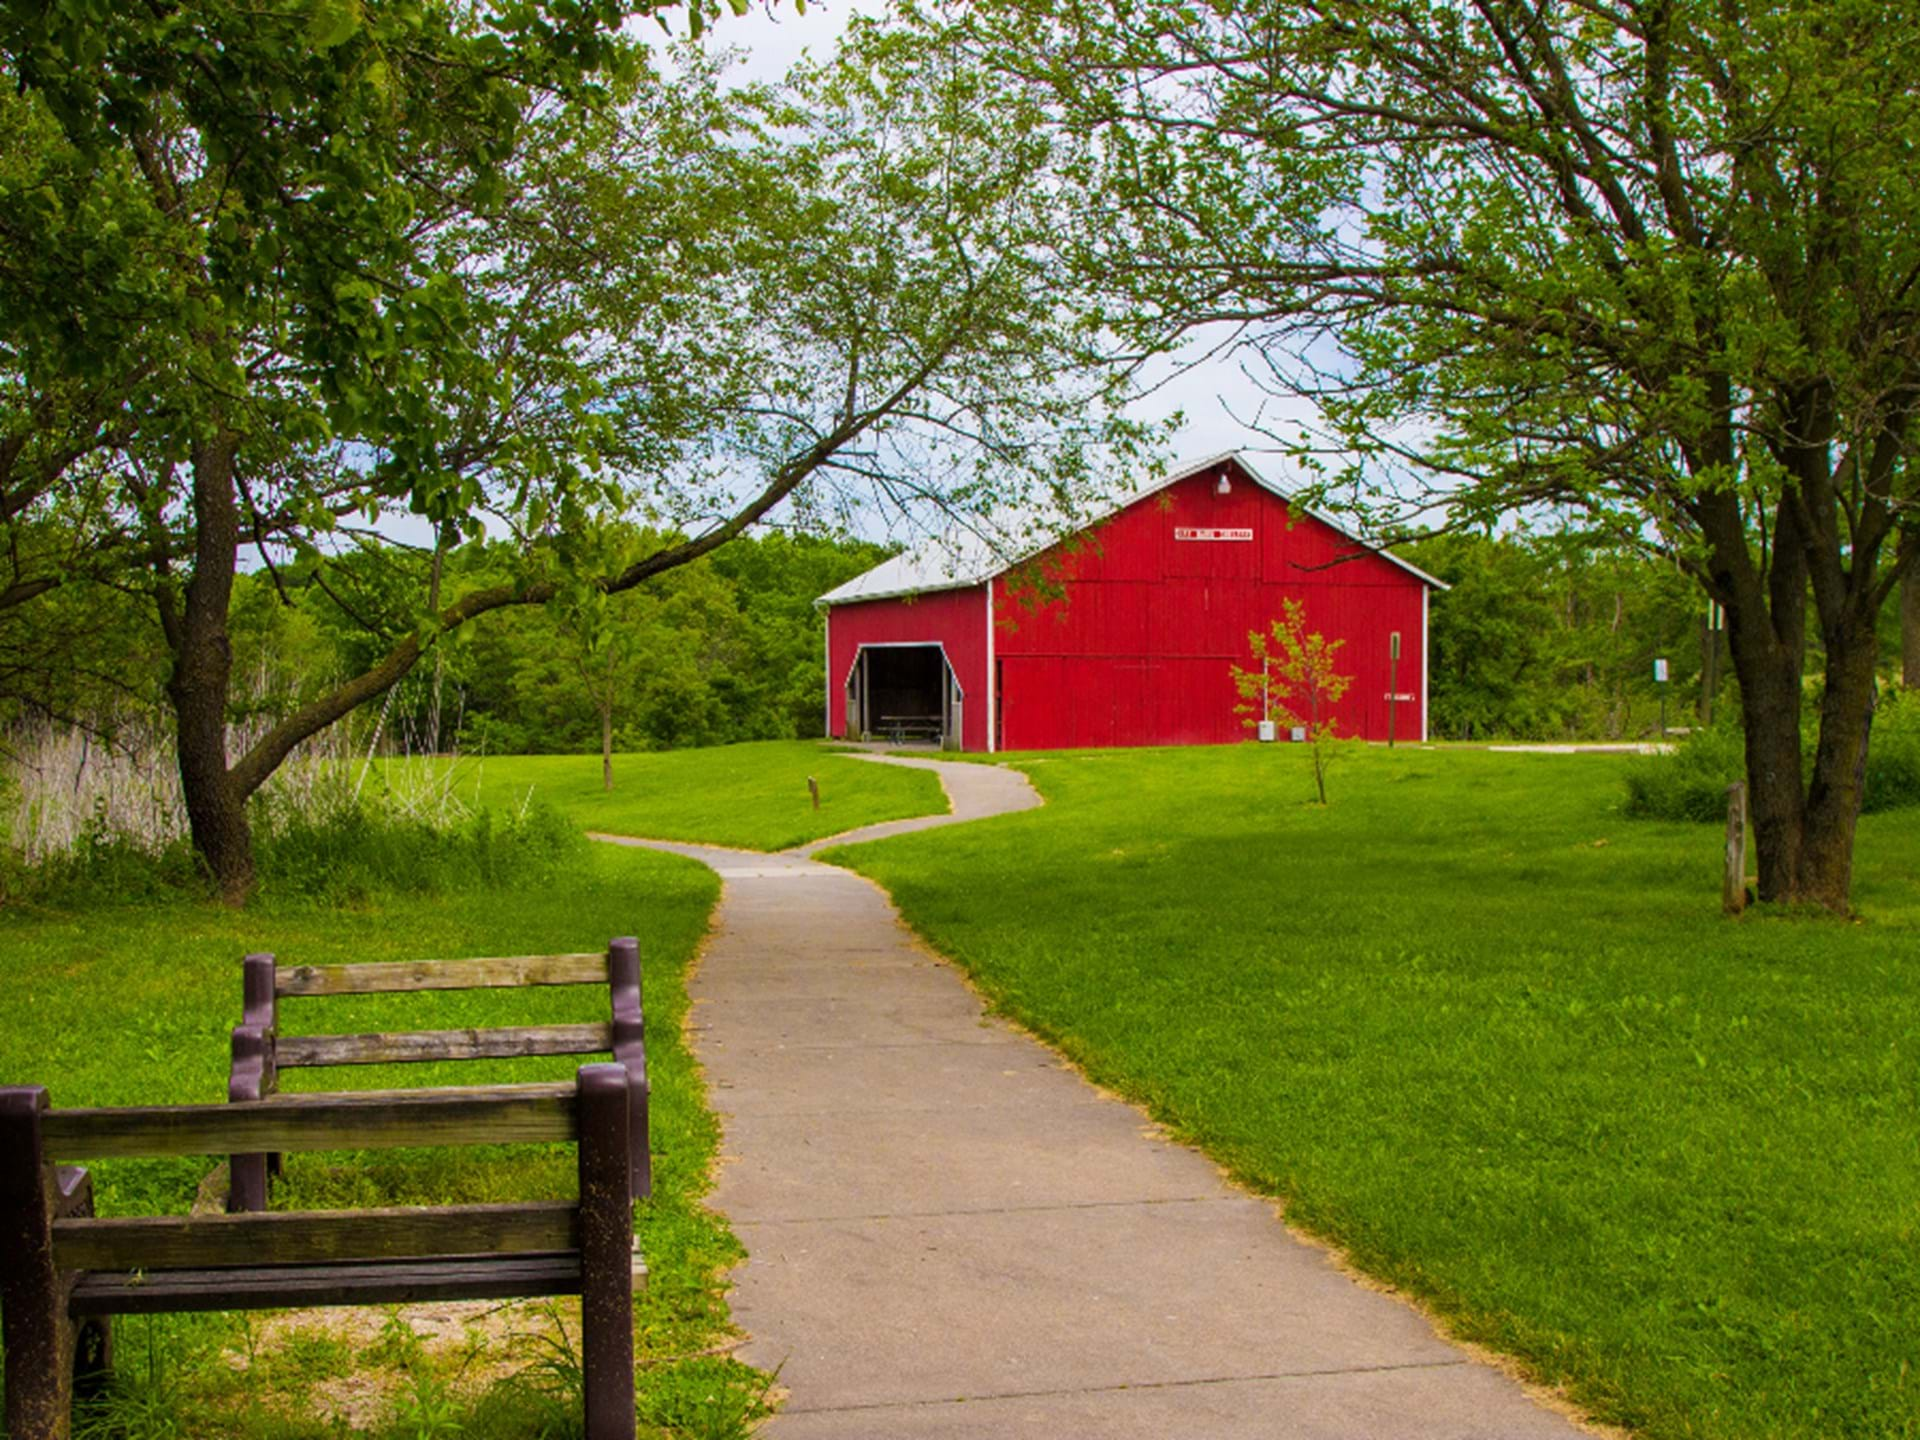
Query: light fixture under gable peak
[1225, 486]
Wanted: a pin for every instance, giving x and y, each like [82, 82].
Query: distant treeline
[1544, 637]
[727, 648]
[1540, 637]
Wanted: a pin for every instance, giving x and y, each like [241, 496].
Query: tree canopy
[1651, 260]
[268, 280]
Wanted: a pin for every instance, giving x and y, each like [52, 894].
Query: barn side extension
[906, 692]
[1124, 634]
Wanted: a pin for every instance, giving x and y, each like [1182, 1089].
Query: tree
[81, 656]
[1652, 260]
[1547, 635]
[607, 663]
[269, 276]
[661, 659]
[1491, 640]
[729, 648]
[1293, 679]
[1910, 631]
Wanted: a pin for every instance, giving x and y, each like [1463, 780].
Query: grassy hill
[752, 796]
[1496, 1041]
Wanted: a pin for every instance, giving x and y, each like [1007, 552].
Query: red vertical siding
[956, 619]
[1138, 649]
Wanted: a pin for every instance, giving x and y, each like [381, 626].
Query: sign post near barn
[1393, 682]
[1733, 887]
[1710, 659]
[1660, 679]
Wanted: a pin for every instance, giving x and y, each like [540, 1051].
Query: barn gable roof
[967, 558]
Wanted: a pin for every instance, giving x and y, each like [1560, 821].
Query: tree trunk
[1766, 643]
[1910, 629]
[1769, 675]
[202, 676]
[606, 747]
[1839, 768]
[1803, 831]
[1776, 798]
[1709, 666]
[439, 651]
[222, 833]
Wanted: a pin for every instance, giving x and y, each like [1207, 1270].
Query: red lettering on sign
[1186, 532]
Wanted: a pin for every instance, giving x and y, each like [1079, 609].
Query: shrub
[1893, 760]
[368, 850]
[102, 863]
[344, 856]
[1691, 782]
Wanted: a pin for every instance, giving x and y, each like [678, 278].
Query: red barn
[1145, 611]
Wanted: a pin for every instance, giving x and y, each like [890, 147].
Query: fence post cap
[23, 1099]
[602, 1075]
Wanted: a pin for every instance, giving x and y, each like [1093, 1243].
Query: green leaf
[334, 22]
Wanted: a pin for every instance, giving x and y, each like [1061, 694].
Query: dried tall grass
[71, 787]
[64, 787]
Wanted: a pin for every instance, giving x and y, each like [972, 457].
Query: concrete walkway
[1624, 747]
[974, 792]
[950, 1233]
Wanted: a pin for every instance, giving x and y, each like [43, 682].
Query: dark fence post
[33, 1311]
[260, 1005]
[250, 1079]
[630, 1051]
[606, 1254]
[93, 1337]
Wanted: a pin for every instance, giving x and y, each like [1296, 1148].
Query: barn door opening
[907, 694]
[857, 698]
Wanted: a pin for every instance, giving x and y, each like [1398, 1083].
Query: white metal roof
[961, 558]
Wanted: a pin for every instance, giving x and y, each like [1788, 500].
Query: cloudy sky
[1221, 406]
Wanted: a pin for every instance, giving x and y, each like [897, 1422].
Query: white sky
[1216, 399]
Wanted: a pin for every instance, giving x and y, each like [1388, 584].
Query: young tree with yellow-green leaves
[1293, 678]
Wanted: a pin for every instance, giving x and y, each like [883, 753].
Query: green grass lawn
[1497, 1042]
[115, 1004]
[751, 796]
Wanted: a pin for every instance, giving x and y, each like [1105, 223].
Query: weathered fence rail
[63, 1272]
[261, 1052]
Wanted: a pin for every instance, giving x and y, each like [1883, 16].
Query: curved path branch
[952, 1234]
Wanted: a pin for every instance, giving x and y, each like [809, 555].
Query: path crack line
[1000, 1210]
[1383, 1369]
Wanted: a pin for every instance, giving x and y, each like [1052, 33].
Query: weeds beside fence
[89, 817]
